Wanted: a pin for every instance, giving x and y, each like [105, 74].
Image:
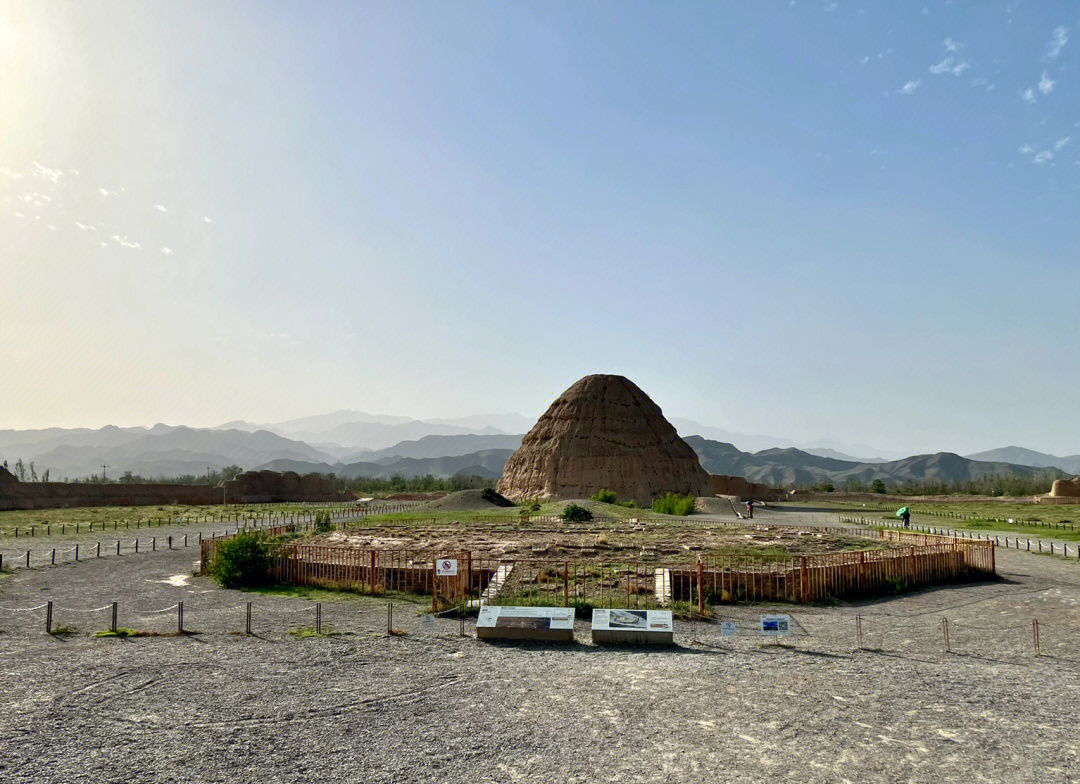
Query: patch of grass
[100, 516]
[63, 631]
[306, 632]
[121, 632]
[1013, 529]
[674, 504]
[351, 592]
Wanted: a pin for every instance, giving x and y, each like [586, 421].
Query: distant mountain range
[1028, 457]
[795, 467]
[354, 443]
[158, 451]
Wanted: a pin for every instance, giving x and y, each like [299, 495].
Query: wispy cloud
[166, 251]
[1062, 142]
[1027, 149]
[951, 45]
[160, 208]
[6, 172]
[1027, 95]
[125, 242]
[1043, 157]
[1058, 39]
[909, 87]
[49, 174]
[946, 66]
[206, 219]
[831, 7]
[84, 227]
[1046, 84]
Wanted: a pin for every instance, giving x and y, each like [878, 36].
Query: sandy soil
[669, 541]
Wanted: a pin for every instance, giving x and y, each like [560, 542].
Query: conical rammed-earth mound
[603, 433]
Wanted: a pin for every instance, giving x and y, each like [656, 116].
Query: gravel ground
[218, 706]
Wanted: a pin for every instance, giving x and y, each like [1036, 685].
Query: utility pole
[103, 477]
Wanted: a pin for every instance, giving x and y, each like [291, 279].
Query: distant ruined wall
[1063, 491]
[742, 488]
[249, 487]
[1066, 488]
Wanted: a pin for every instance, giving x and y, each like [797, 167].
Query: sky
[836, 220]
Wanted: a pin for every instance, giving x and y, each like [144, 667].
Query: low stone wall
[249, 487]
[742, 488]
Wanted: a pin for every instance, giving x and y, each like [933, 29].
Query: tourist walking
[750, 509]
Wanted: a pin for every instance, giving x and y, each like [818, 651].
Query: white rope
[293, 612]
[25, 609]
[76, 610]
[157, 612]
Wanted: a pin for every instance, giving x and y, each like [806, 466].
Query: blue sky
[852, 221]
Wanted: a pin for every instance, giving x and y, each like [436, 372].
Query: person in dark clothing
[750, 509]
[906, 518]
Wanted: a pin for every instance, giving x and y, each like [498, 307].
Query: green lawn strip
[1013, 529]
[42, 519]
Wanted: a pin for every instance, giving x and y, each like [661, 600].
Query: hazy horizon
[808, 220]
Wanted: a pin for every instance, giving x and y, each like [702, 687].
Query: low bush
[576, 514]
[674, 504]
[242, 562]
[606, 496]
[323, 523]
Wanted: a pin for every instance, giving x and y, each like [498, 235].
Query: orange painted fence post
[700, 587]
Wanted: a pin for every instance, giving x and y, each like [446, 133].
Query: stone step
[663, 585]
[495, 584]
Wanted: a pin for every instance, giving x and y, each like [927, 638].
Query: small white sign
[446, 567]
[775, 624]
[727, 628]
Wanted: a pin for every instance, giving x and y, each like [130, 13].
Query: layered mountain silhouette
[1029, 457]
[414, 450]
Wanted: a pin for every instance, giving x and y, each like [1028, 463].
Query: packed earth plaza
[536, 634]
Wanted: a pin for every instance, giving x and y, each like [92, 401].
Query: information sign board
[633, 626]
[525, 623]
[775, 624]
[727, 628]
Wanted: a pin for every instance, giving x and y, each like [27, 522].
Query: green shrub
[323, 523]
[242, 562]
[878, 486]
[674, 504]
[576, 514]
[606, 496]
[630, 504]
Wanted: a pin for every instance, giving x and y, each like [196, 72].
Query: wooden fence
[910, 560]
